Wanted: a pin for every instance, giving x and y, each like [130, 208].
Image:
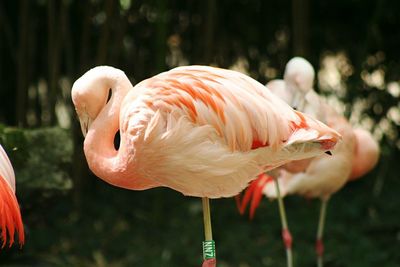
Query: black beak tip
[329, 153]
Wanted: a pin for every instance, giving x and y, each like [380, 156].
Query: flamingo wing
[238, 107]
[207, 122]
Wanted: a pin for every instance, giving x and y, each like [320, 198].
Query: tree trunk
[80, 171]
[85, 36]
[161, 36]
[53, 56]
[102, 49]
[300, 27]
[22, 79]
[209, 26]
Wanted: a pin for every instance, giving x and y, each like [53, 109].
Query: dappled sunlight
[333, 74]
[39, 109]
[241, 65]
[374, 79]
[356, 117]
[332, 80]
[64, 110]
[125, 4]
[269, 72]
[175, 57]
[385, 128]
[394, 89]
[394, 114]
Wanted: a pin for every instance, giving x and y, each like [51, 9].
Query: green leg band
[208, 249]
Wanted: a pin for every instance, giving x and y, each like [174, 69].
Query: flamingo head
[93, 91]
[299, 78]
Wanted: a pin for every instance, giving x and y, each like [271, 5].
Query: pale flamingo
[322, 176]
[298, 80]
[296, 90]
[10, 215]
[203, 131]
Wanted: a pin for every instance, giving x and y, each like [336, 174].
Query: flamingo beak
[85, 121]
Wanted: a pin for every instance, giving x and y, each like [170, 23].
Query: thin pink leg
[286, 236]
[209, 263]
[319, 244]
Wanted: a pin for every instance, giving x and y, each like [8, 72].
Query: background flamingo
[10, 216]
[322, 176]
[297, 82]
[202, 131]
[366, 154]
[306, 182]
[318, 178]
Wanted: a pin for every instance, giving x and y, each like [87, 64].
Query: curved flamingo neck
[103, 159]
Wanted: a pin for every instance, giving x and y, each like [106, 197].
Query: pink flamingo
[321, 176]
[297, 82]
[202, 131]
[366, 154]
[10, 216]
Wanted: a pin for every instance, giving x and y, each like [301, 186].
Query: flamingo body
[10, 216]
[317, 177]
[324, 175]
[199, 130]
[298, 81]
[366, 154]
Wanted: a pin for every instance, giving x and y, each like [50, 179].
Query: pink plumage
[199, 130]
[366, 154]
[317, 177]
[10, 216]
[323, 175]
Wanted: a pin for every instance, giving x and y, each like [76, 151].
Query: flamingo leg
[286, 236]
[207, 218]
[319, 245]
[208, 244]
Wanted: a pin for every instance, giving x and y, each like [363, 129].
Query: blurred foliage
[74, 219]
[41, 157]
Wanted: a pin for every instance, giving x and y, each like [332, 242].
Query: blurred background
[74, 219]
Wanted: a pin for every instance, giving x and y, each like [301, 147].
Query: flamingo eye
[109, 95]
[117, 140]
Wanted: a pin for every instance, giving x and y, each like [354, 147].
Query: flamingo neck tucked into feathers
[104, 160]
